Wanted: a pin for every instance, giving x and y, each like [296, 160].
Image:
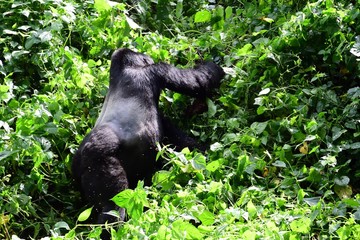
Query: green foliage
[132, 200]
[283, 127]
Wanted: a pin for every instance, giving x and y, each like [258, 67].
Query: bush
[284, 125]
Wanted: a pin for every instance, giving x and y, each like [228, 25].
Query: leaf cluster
[283, 129]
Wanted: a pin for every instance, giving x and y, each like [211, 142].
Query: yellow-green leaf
[85, 215]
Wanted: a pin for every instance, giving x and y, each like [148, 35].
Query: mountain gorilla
[121, 149]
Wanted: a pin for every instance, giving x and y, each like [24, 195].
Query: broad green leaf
[264, 91]
[216, 147]
[229, 138]
[71, 234]
[4, 88]
[258, 127]
[215, 187]
[218, 18]
[337, 132]
[309, 138]
[161, 177]
[245, 50]
[344, 192]
[355, 145]
[278, 163]
[213, 166]
[228, 12]
[179, 8]
[84, 215]
[357, 217]
[185, 230]
[312, 201]
[351, 203]
[10, 32]
[249, 235]
[269, 20]
[207, 218]
[260, 110]
[132, 200]
[251, 209]
[132, 24]
[45, 36]
[301, 225]
[123, 198]
[199, 162]
[95, 233]
[61, 225]
[5, 154]
[243, 161]
[211, 107]
[300, 195]
[314, 175]
[102, 5]
[342, 181]
[163, 232]
[344, 233]
[202, 16]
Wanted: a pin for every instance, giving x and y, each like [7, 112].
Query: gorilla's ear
[147, 60]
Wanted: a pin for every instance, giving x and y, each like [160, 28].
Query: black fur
[121, 149]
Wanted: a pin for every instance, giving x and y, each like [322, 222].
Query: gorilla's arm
[175, 136]
[194, 82]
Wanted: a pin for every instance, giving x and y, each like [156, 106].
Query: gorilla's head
[124, 57]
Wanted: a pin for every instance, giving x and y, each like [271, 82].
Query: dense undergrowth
[284, 128]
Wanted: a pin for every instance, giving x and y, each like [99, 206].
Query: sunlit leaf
[269, 20]
[216, 147]
[84, 215]
[102, 5]
[4, 219]
[213, 166]
[207, 218]
[132, 24]
[300, 195]
[132, 200]
[183, 229]
[355, 50]
[251, 209]
[228, 12]
[264, 91]
[71, 234]
[202, 16]
[301, 225]
[246, 49]
[249, 235]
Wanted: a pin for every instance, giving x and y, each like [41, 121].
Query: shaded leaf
[278, 163]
